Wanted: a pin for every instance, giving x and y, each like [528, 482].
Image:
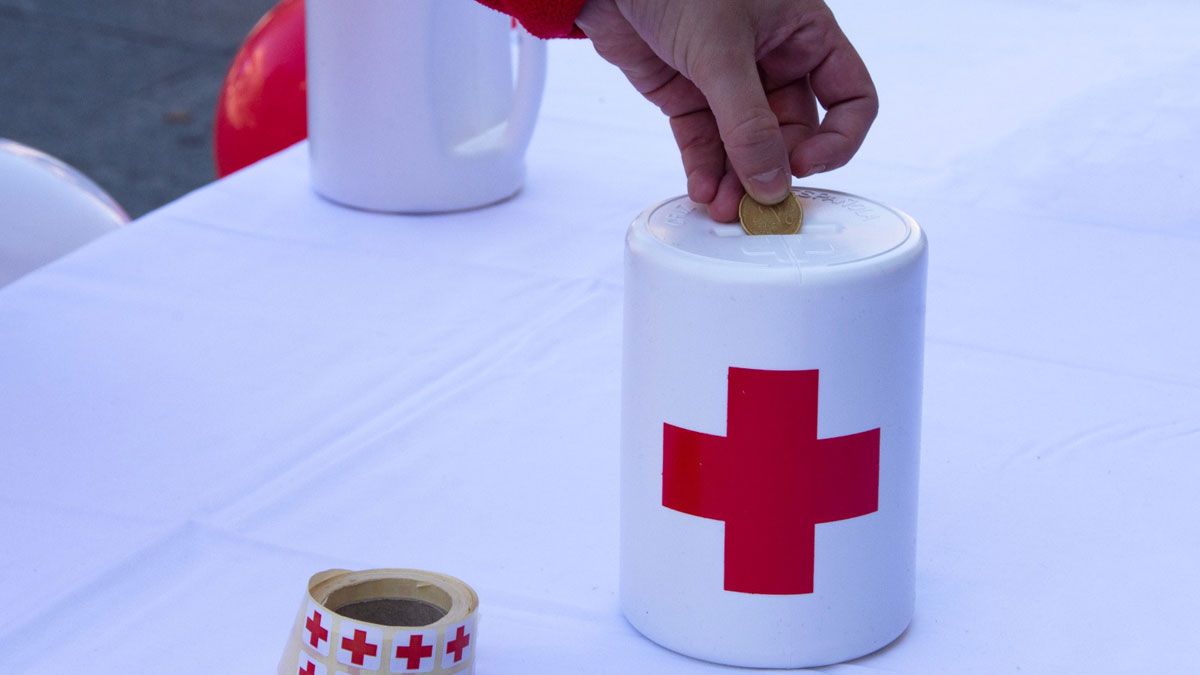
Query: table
[250, 384]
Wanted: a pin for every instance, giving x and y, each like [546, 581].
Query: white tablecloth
[251, 384]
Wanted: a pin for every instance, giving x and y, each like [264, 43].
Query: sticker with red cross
[414, 652]
[460, 643]
[360, 645]
[314, 630]
[307, 666]
[771, 478]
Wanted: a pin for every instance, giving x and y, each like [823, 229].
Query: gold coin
[782, 218]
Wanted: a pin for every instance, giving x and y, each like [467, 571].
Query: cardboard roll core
[393, 612]
[409, 598]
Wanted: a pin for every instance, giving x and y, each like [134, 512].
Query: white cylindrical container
[771, 432]
[412, 105]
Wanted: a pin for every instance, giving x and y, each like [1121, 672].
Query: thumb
[749, 128]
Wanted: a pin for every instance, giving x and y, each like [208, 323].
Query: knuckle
[756, 129]
[705, 66]
[824, 23]
[690, 136]
[872, 106]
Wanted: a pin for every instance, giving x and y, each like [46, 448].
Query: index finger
[822, 55]
[843, 86]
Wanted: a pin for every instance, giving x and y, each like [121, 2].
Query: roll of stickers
[771, 432]
[383, 621]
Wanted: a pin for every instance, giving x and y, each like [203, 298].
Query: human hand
[740, 80]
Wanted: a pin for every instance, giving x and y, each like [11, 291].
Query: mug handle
[527, 97]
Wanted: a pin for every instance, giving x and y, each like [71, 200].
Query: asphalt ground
[123, 90]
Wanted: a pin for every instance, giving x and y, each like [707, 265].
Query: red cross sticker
[309, 667]
[770, 479]
[413, 652]
[458, 644]
[360, 646]
[317, 633]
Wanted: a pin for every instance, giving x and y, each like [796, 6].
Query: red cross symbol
[771, 479]
[359, 647]
[414, 652]
[316, 632]
[459, 644]
[309, 667]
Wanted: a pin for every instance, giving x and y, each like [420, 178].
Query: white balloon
[47, 210]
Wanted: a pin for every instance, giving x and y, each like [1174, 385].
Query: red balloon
[262, 107]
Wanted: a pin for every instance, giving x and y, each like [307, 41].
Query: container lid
[838, 228]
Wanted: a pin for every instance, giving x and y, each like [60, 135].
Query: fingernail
[772, 185]
[816, 169]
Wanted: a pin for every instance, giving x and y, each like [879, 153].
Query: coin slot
[728, 230]
[822, 228]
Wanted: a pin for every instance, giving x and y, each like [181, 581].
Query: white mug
[412, 107]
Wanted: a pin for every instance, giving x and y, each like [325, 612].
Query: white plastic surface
[47, 209]
[838, 228]
[252, 384]
[412, 106]
[859, 321]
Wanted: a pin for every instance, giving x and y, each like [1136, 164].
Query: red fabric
[543, 18]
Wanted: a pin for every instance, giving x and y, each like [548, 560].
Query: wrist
[543, 18]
